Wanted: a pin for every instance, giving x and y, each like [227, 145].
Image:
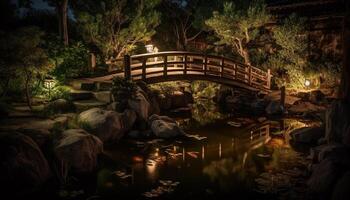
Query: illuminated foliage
[22, 57]
[238, 25]
[69, 61]
[116, 27]
[122, 90]
[183, 21]
[290, 53]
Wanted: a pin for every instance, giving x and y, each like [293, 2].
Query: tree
[115, 27]
[238, 25]
[22, 56]
[61, 7]
[185, 19]
[289, 56]
[344, 90]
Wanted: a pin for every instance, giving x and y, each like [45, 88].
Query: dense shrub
[60, 92]
[204, 89]
[71, 61]
[122, 90]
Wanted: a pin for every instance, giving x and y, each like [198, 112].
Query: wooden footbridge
[180, 65]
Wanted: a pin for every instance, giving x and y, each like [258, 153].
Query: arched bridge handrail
[161, 66]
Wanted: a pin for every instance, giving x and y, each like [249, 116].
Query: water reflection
[231, 160]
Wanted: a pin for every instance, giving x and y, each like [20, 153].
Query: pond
[255, 160]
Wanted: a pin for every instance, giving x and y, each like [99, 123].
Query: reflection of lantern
[49, 83]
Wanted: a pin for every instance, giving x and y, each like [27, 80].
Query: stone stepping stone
[83, 105]
[81, 95]
[83, 85]
[103, 96]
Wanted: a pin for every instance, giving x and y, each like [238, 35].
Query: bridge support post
[269, 78]
[205, 65]
[144, 60]
[165, 72]
[222, 65]
[127, 68]
[185, 65]
[250, 74]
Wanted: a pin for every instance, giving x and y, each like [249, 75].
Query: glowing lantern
[307, 83]
[149, 48]
[49, 83]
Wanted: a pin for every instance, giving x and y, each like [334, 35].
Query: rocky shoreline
[50, 149]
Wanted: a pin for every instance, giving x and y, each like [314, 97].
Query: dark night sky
[41, 4]
[37, 4]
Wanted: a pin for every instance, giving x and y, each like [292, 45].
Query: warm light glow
[183, 154]
[151, 169]
[203, 156]
[49, 83]
[307, 83]
[149, 48]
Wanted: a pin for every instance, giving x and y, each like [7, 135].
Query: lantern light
[49, 83]
[307, 83]
[149, 48]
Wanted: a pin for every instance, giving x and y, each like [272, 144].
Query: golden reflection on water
[152, 171]
[203, 153]
[221, 156]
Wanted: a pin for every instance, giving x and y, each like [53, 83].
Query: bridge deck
[175, 65]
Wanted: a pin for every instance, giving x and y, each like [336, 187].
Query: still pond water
[255, 161]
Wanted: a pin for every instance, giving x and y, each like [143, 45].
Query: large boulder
[338, 122]
[154, 102]
[78, 150]
[317, 97]
[164, 127]
[164, 102]
[41, 137]
[274, 108]
[341, 190]
[335, 152]
[181, 99]
[276, 96]
[324, 176]
[109, 126]
[258, 106]
[23, 167]
[305, 107]
[140, 105]
[59, 106]
[307, 135]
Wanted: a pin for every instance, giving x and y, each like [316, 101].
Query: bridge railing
[177, 63]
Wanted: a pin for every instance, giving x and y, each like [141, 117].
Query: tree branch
[195, 36]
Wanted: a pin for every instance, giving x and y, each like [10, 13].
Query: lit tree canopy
[115, 27]
[184, 20]
[290, 51]
[22, 57]
[238, 25]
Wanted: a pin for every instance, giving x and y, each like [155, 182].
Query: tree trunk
[65, 22]
[246, 57]
[5, 88]
[62, 8]
[92, 61]
[28, 96]
[283, 96]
